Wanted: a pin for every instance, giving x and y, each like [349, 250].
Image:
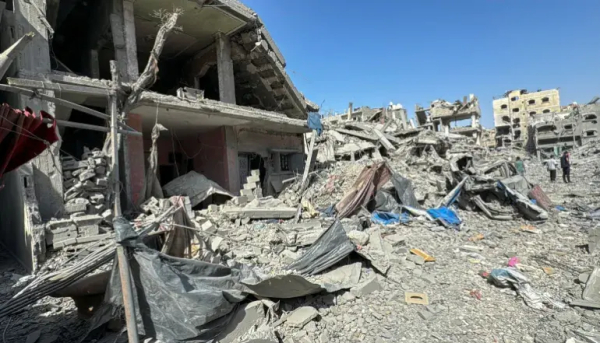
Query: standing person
[565, 164]
[520, 166]
[551, 165]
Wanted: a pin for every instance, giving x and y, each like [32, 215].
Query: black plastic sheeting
[384, 201]
[405, 191]
[330, 248]
[184, 300]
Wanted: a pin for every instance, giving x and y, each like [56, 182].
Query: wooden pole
[122, 256]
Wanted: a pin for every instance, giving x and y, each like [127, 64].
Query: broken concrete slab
[249, 315]
[592, 286]
[261, 213]
[395, 239]
[418, 260]
[344, 277]
[302, 316]
[369, 286]
[358, 237]
[594, 240]
[87, 220]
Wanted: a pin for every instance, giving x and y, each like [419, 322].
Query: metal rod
[62, 102]
[122, 256]
[76, 125]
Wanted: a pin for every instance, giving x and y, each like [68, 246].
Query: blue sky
[377, 51]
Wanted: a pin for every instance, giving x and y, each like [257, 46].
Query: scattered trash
[426, 257]
[416, 298]
[512, 262]
[475, 293]
[386, 218]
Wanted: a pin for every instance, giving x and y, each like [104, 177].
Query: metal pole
[122, 258]
[66, 123]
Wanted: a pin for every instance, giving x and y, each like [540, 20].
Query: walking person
[520, 166]
[565, 164]
[551, 165]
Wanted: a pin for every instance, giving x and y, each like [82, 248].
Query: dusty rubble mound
[407, 235]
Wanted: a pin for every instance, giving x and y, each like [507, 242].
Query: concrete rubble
[412, 281]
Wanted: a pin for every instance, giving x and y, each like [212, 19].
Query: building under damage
[441, 114]
[513, 111]
[394, 112]
[221, 91]
[572, 127]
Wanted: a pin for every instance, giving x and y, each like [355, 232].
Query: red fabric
[23, 136]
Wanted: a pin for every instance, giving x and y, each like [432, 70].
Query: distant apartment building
[574, 126]
[513, 111]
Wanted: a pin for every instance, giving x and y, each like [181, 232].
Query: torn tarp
[330, 248]
[196, 186]
[522, 203]
[370, 180]
[388, 218]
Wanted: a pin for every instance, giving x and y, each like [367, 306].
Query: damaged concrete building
[222, 93]
[572, 127]
[395, 112]
[512, 113]
[441, 114]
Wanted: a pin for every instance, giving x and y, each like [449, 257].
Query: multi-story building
[513, 111]
[574, 126]
[442, 116]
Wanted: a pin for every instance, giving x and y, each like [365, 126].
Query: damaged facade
[441, 114]
[395, 112]
[221, 92]
[513, 111]
[572, 127]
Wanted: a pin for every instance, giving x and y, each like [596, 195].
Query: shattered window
[505, 106]
[545, 99]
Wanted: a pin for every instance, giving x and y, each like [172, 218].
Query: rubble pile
[433, 239]
[86, 194]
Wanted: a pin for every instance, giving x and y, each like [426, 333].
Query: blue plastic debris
[533, 201]
[445, 215]
[314, 122]
[560, 208]
[388, 218]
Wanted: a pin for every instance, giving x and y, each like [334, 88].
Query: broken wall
[21, 232]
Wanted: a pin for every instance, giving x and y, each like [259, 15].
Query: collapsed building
[512, 113]
[221, 93]
[394, 112]
[441, 114]
[556, 132]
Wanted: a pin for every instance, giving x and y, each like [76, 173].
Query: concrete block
[69, 183]
[358, 237]
[247, 193]
[369, 286]
[77, 172]
[255, 172]
[302, 316]
[100, 161]
[250, 186]
[76, 206]
[253, 179]
[89, 230]
[97, 198]
[101, 182]
[87, 174]
[57, 224]
[418, 260]
[209, 227]
[91, 219]
[107, 216]
[289, 256]
[426, 315]
[240, 201]
[212, 208]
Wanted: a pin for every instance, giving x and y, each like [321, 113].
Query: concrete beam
[225, 69]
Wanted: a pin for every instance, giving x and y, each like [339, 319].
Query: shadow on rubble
[53, 319]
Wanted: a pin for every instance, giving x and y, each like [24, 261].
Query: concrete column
[133, 71]
[446, 127]
[225, 69]
[35, 60]
[133, 162]
[473, 120]
[349, 112]
[232, 167]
